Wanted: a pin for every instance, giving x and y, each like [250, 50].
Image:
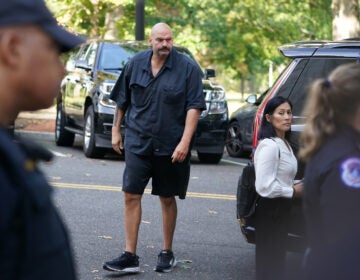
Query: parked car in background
[308, 61]
[84, 107]
[240, 130]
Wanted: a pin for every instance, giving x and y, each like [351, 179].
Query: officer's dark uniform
[33, 241]
[332, 208]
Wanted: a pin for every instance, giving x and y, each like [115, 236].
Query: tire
[89, 145]
[63, 137]
[209, 158]
[233, 143]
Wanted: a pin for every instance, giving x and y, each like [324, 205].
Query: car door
[79, 83]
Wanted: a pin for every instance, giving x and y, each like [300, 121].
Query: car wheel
[63, 137]
[209, 158]
[234, 145]
[89, 145]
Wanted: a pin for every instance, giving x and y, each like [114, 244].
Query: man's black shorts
[168, 179]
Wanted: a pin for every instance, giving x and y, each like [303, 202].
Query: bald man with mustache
[160, 90]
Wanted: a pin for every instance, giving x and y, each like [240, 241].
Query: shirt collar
[171, 58]
[169, 63]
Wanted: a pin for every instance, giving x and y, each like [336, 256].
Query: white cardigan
[274, 174]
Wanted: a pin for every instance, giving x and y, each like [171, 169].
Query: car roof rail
[308, 48]
[352, 39]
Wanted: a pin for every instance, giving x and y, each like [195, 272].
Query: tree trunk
[345, 19]
[111, 19]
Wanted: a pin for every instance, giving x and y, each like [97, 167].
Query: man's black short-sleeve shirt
[156, 107]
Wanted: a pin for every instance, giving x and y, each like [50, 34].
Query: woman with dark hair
[275, 168]
[330, 145]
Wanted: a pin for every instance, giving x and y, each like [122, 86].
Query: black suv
[84, 107]
[309, 61]
[240, 130]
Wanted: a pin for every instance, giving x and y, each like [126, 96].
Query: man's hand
[182, 149]
[180, 153]
[116, 140]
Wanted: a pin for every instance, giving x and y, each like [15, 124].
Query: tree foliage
[240, 38]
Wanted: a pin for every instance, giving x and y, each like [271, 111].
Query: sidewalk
[37, 121]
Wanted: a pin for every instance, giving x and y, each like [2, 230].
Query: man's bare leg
[169, 215]
[132, 221]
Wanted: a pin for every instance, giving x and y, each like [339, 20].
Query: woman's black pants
[272, 216]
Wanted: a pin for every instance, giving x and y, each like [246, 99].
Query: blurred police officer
[33, 241]
[331, 147]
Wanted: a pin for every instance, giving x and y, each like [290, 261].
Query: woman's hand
[298, 190]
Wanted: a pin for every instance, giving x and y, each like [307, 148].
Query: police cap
[20, 12]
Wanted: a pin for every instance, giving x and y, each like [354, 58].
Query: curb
[36, 135]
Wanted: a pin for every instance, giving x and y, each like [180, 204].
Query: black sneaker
[166, 261]
[127, 262]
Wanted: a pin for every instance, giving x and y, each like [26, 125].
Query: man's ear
[10, 43]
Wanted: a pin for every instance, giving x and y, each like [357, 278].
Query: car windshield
[114, 57]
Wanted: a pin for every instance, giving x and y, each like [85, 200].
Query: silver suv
[308, 61]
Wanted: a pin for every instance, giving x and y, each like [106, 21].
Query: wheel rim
[233, 141]
[87, 133]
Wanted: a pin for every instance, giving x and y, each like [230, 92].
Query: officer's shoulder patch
[350, 172]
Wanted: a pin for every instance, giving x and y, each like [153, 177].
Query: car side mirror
[83, 65]
[210, 73]
[251, 99]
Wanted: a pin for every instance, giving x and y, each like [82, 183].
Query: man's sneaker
[166, 261]
[127, 262]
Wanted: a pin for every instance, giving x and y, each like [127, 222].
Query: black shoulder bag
[246, 201]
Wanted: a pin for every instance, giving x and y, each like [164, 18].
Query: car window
[286, 88]
[114, 57]
[83, 52]
[297, 85]
[91, 54]
[69, 59]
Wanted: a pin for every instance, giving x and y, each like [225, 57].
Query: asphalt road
[207, 244]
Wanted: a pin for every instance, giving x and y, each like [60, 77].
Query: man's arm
[182, 149]
[116, 138]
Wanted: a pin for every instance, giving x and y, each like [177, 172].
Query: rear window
[297, 85]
